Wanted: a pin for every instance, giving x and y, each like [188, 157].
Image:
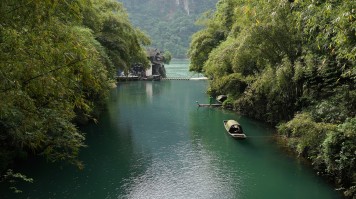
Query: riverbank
[327, 144]
[318, 145]
[154, 142]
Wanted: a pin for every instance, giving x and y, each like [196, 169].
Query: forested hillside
[58, 61]
[169, 23]
[292, 64]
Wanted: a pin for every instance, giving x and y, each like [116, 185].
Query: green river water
[153, 142]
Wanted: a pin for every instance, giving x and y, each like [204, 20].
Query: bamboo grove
[291, 64]
[58, 61]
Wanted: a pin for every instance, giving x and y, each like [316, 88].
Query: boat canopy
[221, 98]
[231, 123]
[233, 127]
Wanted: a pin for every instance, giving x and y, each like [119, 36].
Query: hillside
[169, 23]
[291, 64]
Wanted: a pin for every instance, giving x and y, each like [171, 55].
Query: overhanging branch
[44, 74]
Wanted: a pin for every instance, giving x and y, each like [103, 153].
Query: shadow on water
[263, 170]
[109, 155]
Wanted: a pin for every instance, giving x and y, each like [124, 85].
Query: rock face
[157, 63]
[185, 4]
[167, 6]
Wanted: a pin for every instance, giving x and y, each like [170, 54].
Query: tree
[58, 60]
[290, 63]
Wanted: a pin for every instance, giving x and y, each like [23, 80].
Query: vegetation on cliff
[292, 64]
[169, 23]
[58, 60]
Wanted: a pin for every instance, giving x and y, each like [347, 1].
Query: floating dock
[136, 78]
[175, 78]
[185, 78]
[127, 78]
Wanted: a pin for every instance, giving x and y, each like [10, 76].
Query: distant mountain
[169, 23]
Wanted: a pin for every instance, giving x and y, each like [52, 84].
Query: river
[153, 142]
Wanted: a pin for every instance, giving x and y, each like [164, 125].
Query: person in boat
[236, 129]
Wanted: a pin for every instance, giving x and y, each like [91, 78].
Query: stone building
[157, 63]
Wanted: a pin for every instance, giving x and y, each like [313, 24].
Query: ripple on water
[186, 174]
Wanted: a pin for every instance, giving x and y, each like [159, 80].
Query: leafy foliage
[167, 57]
[339, 154]
[115, 33]
[305, 134]
[58, 60]
[287, 61]
[12, 178]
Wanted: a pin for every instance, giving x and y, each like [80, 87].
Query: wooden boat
[221, 98]
[234, 129]
[208, 105]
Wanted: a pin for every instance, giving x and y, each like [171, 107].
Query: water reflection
[153, 142]
[256, 165]
[177, 167]
[186, 173]
[138, 93]
[149, 91]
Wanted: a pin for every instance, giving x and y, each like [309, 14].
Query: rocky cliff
[185, 4]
